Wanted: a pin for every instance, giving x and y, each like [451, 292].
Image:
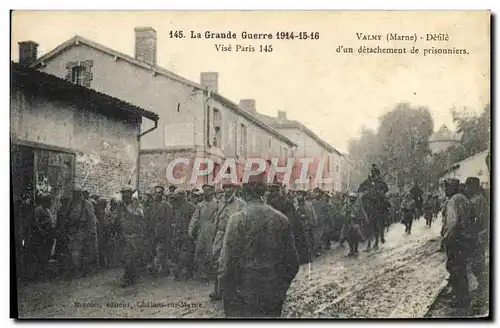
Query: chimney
[210, 80]
[282, 115]
[145, 45]
[27, 52]
[248, 105]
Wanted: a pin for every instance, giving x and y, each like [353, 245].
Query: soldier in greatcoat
[354, 217]
[302, 233]
[202, 230]
[83, 234]
[42, 236]
[258, 259]
[230, 205]
[480, 230]
[321, 218]
[131, 236]
[458, 240]
[159, 220]
[183, 244]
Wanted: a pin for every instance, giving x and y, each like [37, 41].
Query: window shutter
[237, 139]
[87, 75]
[69, 72]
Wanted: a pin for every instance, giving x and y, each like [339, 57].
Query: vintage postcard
[250, 164]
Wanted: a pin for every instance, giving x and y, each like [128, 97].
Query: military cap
[94, 196]
[159, 186]
[179, 192]
[259, 179]
[374, 170]
[207, 186]
[102, 200]
[274, 186]
[127, 188]
[172, 188]
[353, 194]
[230, 185]
[300, 192]
[473, 182]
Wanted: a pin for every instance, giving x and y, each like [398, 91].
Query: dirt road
[399, 280]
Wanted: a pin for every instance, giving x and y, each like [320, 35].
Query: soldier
[303, 232]
[428, 210]
[376, 205]
[480, 231]
[63, 254]
[284, 205]
[202, 230]
[258, 258]
[83, 233]
[457, 241]
[354, 217]
[417, 195]
[159, 218]
[408, 213]
[183, 244]
[42, 236]
[132, 232]
[231, 204]
[320, 218]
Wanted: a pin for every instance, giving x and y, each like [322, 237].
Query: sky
[334, 94]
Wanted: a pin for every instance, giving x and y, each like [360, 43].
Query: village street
[401, 279]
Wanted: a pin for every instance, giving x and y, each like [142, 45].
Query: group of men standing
[465, 233]
[249, 240]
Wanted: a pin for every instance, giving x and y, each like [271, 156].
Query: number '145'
[266, 48]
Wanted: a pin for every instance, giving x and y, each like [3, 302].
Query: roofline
[289, 124]
[20, 69]
[444, 140]
[79, 39]
[252, 118]
[457, 165]
[159, 70]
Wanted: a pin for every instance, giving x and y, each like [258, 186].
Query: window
[235, 136]
[337, 167]
[217, 128]
[80, 72]
[243, 141]
[77, 75]
[286, 153]
[269, 142]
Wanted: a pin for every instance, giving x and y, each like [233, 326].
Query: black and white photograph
[250, 164]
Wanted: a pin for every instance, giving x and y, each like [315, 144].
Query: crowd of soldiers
[249, 239]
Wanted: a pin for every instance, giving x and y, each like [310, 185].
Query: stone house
[62, 134]
[196, 121]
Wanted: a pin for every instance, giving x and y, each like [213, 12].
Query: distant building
[196, 121]
[474, 166]
[310, 145]
[443, 139]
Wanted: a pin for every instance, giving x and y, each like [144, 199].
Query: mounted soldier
[376, 205]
